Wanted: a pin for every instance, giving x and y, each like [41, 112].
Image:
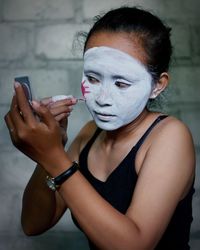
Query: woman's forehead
[110, 58]
[122, 41]
[111, 62]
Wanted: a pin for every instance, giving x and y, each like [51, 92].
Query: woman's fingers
[63, 108]
[44, 114]
[15, 114]
[14, 122]
[62, 116]
[23, 105]
[10, 125]
[46, 101]
[65, 102]
[55, 111]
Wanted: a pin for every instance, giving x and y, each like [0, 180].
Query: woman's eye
[122, 85]
[92, 79]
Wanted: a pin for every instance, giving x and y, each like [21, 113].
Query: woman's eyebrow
[121, 76]
[88, 71]
[125, 77]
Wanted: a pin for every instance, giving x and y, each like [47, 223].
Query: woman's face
[115, 84]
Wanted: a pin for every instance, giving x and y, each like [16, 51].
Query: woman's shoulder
[169, 129]
[170, 139]
[173, 140]
[174, 128]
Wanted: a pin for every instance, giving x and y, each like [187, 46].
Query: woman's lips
[104, 116]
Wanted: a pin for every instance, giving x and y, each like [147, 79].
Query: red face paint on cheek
[84, 88]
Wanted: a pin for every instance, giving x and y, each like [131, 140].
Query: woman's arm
[41, 208]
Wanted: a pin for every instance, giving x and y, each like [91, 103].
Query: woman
[134, 185]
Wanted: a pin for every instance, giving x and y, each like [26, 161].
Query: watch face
[50, 183]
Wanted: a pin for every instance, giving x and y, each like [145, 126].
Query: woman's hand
[38, 139]
[60, 110]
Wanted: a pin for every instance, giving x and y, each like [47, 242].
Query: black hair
[153, 34]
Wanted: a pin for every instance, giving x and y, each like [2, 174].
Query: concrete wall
[36, 39]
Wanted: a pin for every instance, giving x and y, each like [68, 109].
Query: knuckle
[62, 116]
[16, 140]
[52, 111]
[33, 130]
[21, 135]
[32, 127]
[44, 110]
[15, 107]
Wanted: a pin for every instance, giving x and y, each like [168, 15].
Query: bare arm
[41, 208]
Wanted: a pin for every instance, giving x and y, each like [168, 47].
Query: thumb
[43, 113]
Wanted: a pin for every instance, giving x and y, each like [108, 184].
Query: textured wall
[36, 39]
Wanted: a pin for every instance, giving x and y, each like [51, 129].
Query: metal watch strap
[54, 183]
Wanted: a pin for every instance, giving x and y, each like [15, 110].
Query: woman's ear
[160, 85]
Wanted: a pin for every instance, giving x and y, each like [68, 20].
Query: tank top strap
[92, 139]
[137, 145]
[141, 140]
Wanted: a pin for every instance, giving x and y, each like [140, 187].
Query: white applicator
[62, 97]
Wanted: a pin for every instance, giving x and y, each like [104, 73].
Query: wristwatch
[54, 183]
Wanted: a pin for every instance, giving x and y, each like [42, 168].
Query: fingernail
[16, 84]
[74, 100]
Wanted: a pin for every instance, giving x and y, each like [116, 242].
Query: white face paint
[116, 87]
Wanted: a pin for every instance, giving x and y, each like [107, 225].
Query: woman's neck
[111, 137]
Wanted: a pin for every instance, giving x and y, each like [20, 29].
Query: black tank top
[118, 191]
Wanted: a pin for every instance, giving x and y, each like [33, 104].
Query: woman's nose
[103, 98]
